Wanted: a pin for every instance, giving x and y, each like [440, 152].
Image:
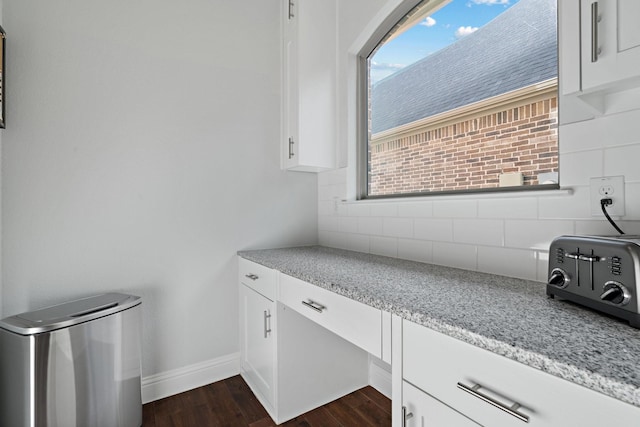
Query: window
[461, 96]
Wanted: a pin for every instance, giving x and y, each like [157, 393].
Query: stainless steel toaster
[599, 272]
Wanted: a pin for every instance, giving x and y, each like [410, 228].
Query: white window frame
[376, 36]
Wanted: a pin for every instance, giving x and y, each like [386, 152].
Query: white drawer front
[422, 410]
[258, 277]
[437, 363]
[352, 320]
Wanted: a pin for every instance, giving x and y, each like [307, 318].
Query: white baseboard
[179, 380]
[380, 379]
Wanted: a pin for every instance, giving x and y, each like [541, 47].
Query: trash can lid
[68, 314]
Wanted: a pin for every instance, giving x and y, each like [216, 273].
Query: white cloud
[490, 2]
[386, 66]
[465, 31]
[381, 70]
[428, 22]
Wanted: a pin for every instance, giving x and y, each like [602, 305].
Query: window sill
[568, 191]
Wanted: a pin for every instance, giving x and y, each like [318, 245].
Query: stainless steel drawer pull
[511, 410]
[251, 276]
[595, 18]
[291, 153]
[267, 323]
[406, 416]
[314, 305]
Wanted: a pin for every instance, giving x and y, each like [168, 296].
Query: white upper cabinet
[309, 85]
[599, 44]
[610, 43]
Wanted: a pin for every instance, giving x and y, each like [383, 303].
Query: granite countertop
[507, 316]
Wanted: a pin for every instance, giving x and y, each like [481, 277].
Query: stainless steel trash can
[73, 365]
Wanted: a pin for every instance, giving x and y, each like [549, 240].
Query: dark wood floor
[231, 403]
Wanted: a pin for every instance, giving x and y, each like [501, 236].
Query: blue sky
[454, 21]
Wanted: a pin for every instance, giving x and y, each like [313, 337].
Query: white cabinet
[257, 329]
[599, 61]
[610, 48]
[258, 344]
[496, 391]
[292, 364]
[309, 85]
[422, 410]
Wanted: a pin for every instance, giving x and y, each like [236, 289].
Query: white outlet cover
[611, 187]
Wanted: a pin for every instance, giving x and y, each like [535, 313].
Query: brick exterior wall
[469, 154]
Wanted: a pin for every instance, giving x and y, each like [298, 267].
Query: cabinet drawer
[436, 363]
[352, 320]
[258, 277]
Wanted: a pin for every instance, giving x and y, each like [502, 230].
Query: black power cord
[603, 204]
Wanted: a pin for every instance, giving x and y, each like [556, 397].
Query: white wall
[506, 234]
[141, 153]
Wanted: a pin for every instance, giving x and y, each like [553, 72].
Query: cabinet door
[257, 342]
[423, 410]
[309, 85]
[610, 43]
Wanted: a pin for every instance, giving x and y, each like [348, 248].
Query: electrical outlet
[607, 187]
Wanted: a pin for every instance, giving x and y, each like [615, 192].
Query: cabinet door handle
[291, 142]
[291, 15]
[251, 276]
[595, 18]
[511, 410]
[406, 416]
[314, 305]
[267, 323]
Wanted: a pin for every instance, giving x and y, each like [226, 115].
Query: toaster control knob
[615, 293]
[559, 278]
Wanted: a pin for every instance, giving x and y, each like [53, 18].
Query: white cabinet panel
[610, 43]
[258, 345]
[422, 410]
[436, 364]
[258, 277]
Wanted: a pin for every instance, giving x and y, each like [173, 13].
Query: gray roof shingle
[516, 49]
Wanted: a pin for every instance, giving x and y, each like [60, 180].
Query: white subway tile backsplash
[479, 231]
[455, 208]
[521, 207]
[342, 209]
[338, 176]
[455, 255]
[567, 206]
[328, 223]
[415, 250]
[576, 168]
[603, 228]
[518, 263]
[419, 209]
[359, 209]
[332, 239]
[384, 209]
[433, 229]
[397, 227]
[358, 242]
[370, 225]
[534, 234]
[386, 246]
[543, 266]
[348, 224]
[601, 132]
[632, 201]
[623, 161]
